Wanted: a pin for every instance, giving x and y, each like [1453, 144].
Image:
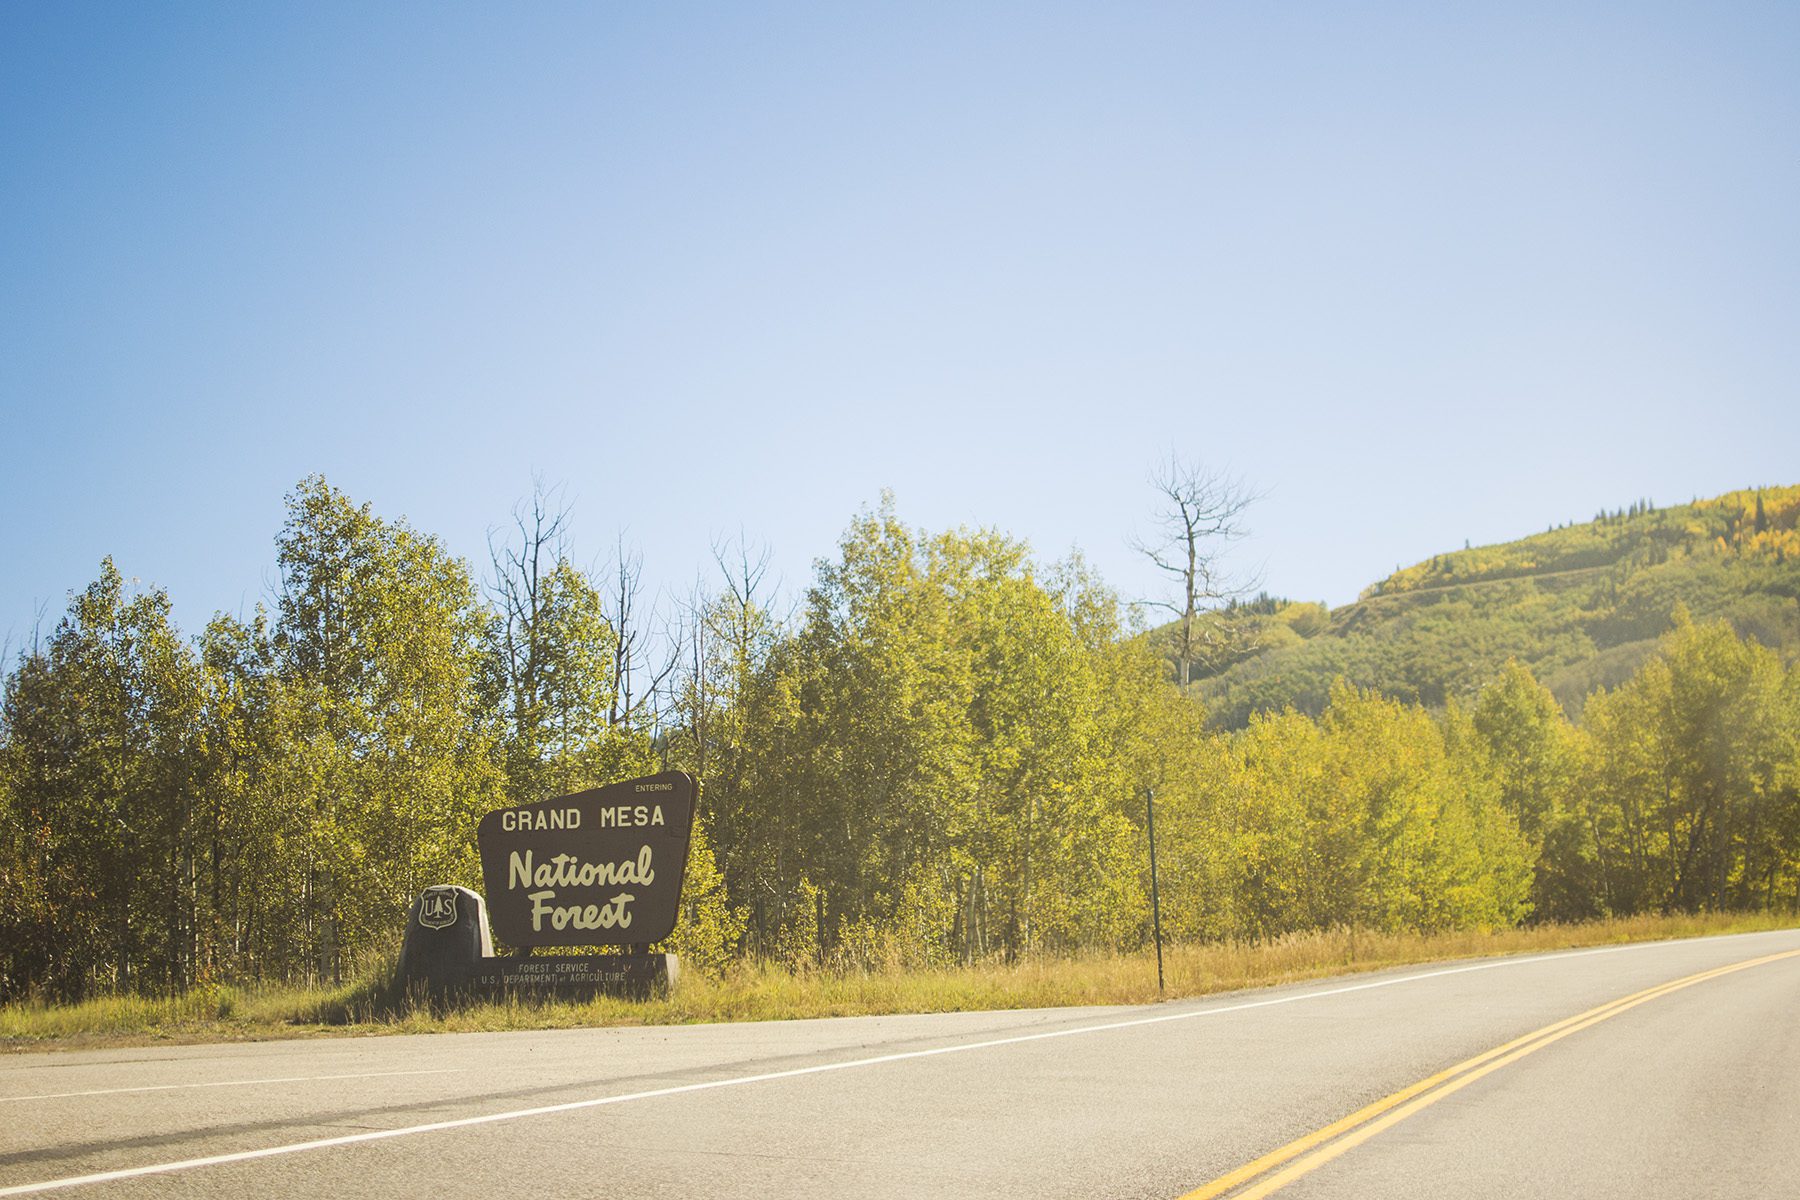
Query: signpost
[1155, 900]
[602, 867]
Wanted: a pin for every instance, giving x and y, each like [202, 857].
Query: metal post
[1155, 900]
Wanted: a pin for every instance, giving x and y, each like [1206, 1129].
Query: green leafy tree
[936, 759]
[1534, 755]
[97, 758]
[1691, 767]
[377, 644]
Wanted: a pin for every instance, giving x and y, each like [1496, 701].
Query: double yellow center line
[1279, 1168]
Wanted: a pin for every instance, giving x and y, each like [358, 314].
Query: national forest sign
[600, 868]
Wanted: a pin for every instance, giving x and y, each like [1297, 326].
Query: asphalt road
[1693, 1091]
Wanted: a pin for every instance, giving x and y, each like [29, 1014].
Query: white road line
[214, 1160]
[173, 1087]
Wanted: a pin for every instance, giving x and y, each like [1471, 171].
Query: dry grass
[756, 992]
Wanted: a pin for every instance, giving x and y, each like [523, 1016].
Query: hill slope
[1582, 606]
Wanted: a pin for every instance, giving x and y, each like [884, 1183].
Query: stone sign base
[448, 953]
[580, 975]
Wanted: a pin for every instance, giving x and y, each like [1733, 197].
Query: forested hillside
[1581, 606]
[940, 754]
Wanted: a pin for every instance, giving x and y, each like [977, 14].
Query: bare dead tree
[628, 581]
[699, 699]
[517, 588]
[743, 632]
[662, 700]
[1199, 512]
[717, 626]
[636, 683]
[743, 567]
[744, 622]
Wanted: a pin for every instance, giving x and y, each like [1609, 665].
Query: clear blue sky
[1424, 273]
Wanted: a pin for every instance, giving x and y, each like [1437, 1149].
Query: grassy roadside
[762, 992]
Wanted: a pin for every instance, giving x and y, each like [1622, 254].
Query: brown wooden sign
[599, 868]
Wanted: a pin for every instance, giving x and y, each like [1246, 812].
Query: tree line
[941, 753]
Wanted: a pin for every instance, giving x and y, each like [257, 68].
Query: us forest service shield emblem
[437, 908]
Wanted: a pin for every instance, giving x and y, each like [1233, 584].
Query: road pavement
[1690, 1091]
